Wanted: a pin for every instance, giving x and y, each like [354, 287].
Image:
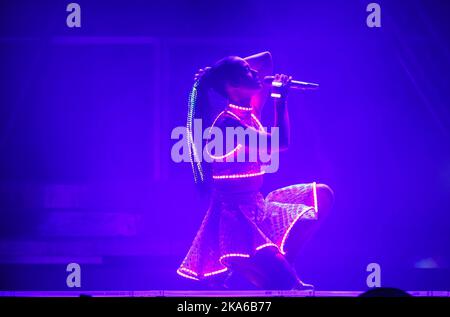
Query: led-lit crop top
[225, 166]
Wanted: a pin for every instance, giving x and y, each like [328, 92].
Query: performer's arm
[282, 122]
[261, 62]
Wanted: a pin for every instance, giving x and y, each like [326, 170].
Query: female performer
[247, 241]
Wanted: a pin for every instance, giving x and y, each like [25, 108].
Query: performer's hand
[201, 72]
[280, 86]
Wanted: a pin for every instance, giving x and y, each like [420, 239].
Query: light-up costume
[239, 220]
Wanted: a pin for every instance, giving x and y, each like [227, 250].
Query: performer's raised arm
[281, 119]
[262, 63]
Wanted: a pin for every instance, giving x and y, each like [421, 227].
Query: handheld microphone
[294, 84]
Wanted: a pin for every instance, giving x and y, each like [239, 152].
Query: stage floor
[162, 293]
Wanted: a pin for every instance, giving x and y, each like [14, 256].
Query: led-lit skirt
[241, 224]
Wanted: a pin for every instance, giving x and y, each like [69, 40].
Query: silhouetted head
[233, 78]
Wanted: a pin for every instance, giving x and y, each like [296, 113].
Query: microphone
[294, 84]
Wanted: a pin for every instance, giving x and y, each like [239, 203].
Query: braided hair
[200, 107]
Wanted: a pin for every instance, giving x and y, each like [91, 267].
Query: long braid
[199, 107]
[197, 169]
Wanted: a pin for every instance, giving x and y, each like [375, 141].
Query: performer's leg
[301, 232]
[267, 269]
[276, 271]
[244, 275]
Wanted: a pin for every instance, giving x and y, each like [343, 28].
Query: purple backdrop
[86, 116]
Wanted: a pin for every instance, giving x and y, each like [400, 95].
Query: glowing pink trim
[234, 115]
[261, 128]
[274, 95]
[234, 176]
[276, 83]
[283, 241]
[241, 255]
[266, 245]
[316, 205]
[216, 272]
[244, 255]
[218, 157]
[215, 120]
[239, 107]
[188, 271]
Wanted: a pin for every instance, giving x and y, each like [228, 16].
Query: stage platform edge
[167, 293]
